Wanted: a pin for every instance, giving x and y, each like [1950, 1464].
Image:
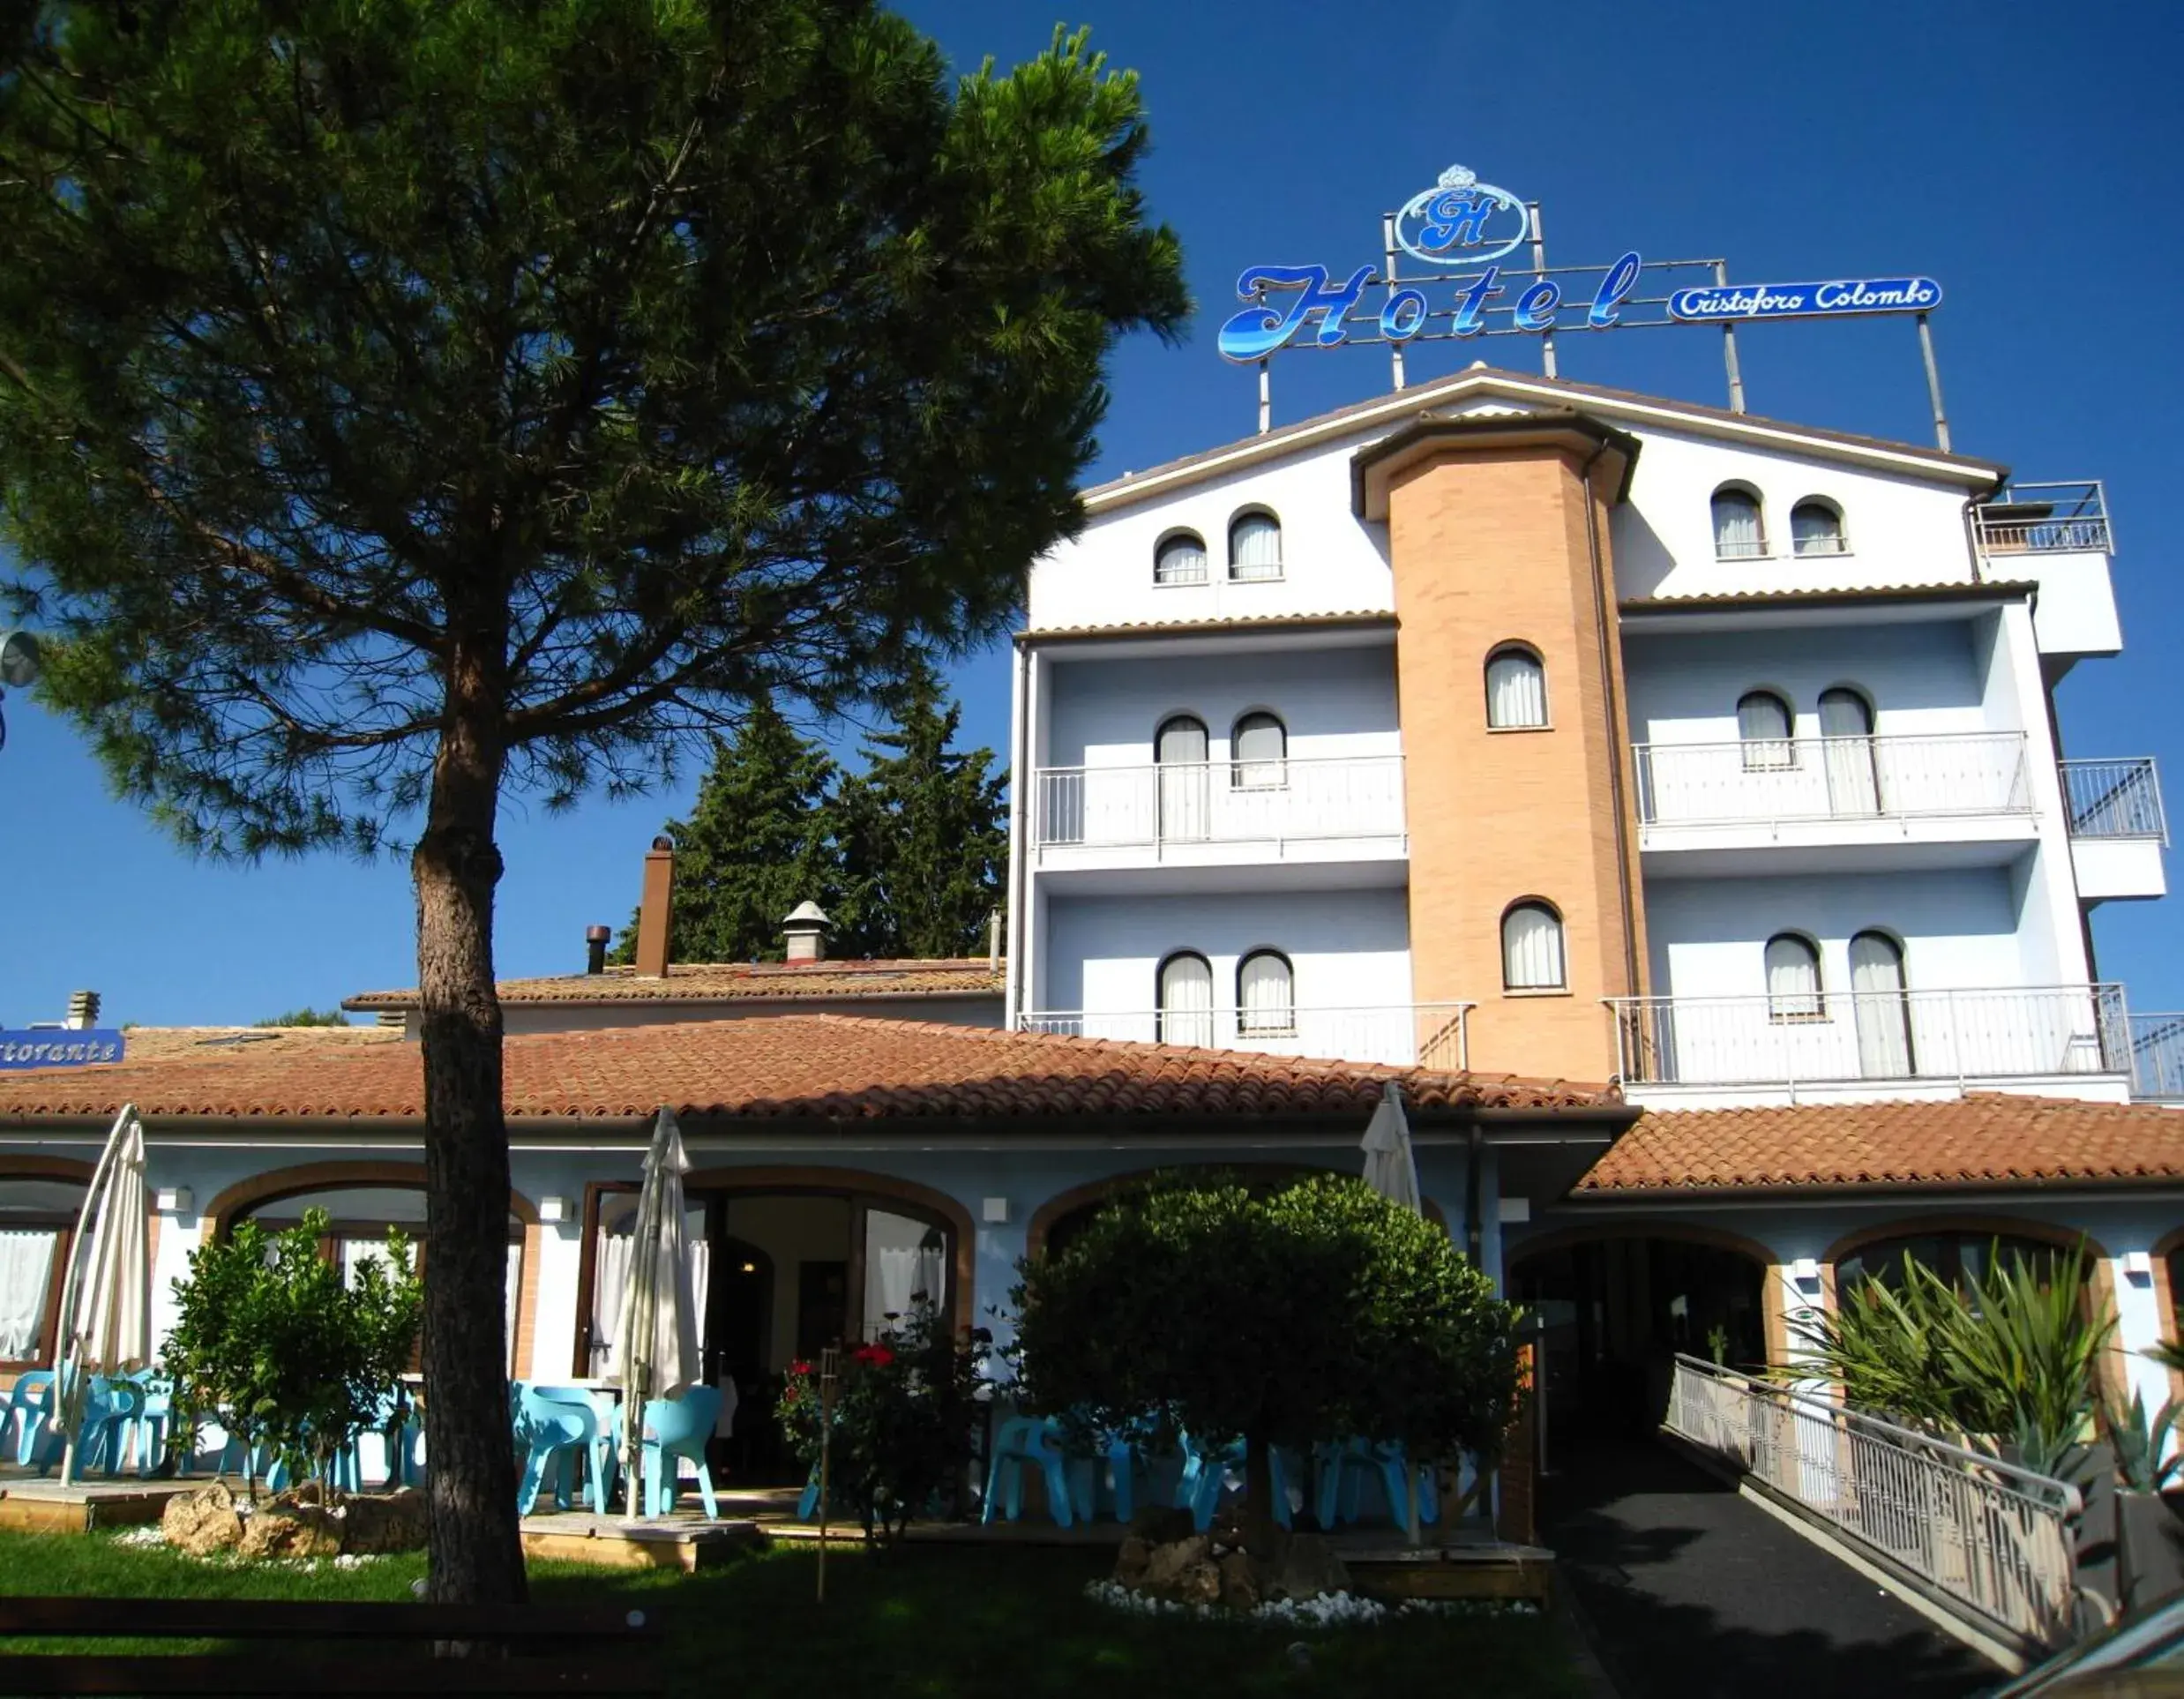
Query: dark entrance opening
[1615, 1312]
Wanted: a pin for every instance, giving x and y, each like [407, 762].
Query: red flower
[877, 1356]
[800, 1367]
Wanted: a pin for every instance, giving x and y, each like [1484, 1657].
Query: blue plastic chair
[1346, 1467]
[1026, 1443]
[1118, 1455]
[29, 1405]
[109, 1406]
[147, 1435]
[674, 1428]
[565, 1429]
[1205, 1477]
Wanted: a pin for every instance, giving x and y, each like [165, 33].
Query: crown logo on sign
[1458, 176]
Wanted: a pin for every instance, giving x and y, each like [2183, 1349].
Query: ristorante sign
[59, 1048]
[1468, 235]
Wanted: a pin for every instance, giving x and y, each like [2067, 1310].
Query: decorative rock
[1200, 1583]
[296, 1524]
[203, 1522]
[1307, 1568]
[1239, 1584]
[1168, 1564]
[394, 1522]
[1130, 1562]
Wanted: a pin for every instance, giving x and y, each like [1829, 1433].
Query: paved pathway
[1690, 1590]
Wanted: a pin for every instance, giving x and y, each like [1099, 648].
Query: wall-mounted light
[1804, 1272]
[174, 1199]
[2138, 1268]
[1516, 1210]
[553, 1208]
[993, 1210]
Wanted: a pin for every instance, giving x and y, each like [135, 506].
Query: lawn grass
[977, 1622]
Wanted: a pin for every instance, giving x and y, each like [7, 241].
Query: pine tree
[758, 842]
[923, 837]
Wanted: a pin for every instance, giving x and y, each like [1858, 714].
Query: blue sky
[2023, 155]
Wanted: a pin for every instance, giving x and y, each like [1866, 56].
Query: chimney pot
[595, 939]
[83, 1010]
[803, 930]
[656, 911]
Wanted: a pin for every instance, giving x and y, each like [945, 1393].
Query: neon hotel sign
[1463, 226]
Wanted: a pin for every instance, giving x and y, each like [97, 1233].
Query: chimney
[806, 932]
[83, 1010]
[993, 940]
[655, 911]
[596, 949]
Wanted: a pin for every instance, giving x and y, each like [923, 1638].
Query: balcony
[1825, 793]
[2074, 1039]
[2044, 519]
[2118, 828]
[2157, 1058]
[1215, 813]
[1399, 1034]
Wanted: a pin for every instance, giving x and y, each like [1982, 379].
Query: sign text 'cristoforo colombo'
[75, 1048]
[1463, 224]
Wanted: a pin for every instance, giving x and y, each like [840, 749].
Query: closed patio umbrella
[1389, 1168]
[658, 1336]
[106, 1320]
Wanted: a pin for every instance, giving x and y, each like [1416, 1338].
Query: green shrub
[904, 1413]
[272, 1342]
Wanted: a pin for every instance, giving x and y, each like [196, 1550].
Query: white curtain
[1516, 690]
[1265, 995]
[1184, 803]
[1180, 560]
[610, 1278]
[1186, 1001]
[513, 1288]
[1884, 1043]
[1846, 721]
[1261, 746]
[26, 1278]
[1764, 729]
[1255, 548]
[1737, 534]
[1792, 978]
[1815, 528]
[904, 1258]
[1531, 949]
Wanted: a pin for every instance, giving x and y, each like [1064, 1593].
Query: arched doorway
[1616, 1306]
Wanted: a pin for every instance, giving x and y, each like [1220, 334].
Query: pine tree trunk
[477, 1557]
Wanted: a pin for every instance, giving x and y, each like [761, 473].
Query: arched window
[1846, 724]
[1816, 527]
[1186, 806]
[1885, 1047]
[1260, 745]
[1266, 993]
[37, 1226]
[1180, 560]
[1531, 948]
[1738, 533]
[1793, 978]
[1254, 548]
[1185, 986]
[1517, 688]
[1959, 1256]
[1766, 729]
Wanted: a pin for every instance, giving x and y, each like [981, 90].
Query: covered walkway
[1689, 1589]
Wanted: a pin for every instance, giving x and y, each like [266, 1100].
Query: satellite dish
[19, 660]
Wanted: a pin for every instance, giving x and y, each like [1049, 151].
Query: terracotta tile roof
[1954, 590]
[822, 1065]
[717, 982]
[1348, 618]
[161, 1044]
[1984, 1138]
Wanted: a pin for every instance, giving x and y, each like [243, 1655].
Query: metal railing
[1760, 781]
[2044, 519]
[1400, 1035]
[1997, 1540]
[1835, 1037]
[2158, 1057]
[2115, 799]
[1183, 803]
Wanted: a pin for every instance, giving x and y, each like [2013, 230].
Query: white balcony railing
[1183, 803]
[2115, 799]
[2158, 1057]
[1399, 1034]
[2044, 519]
[1764, 781]
[1843, 1037]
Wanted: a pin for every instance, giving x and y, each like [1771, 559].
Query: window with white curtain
[1259, 745]
[1180, 560]
[1266, 993]
[1516, 690]
[27, 1260]
[906, 1266]
[1738, 533]
[1816, 528]
[1187, 999]
[614, 1249]
[1766, 730]
[1531, 948]
[1254, 548]
[1793, 978]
